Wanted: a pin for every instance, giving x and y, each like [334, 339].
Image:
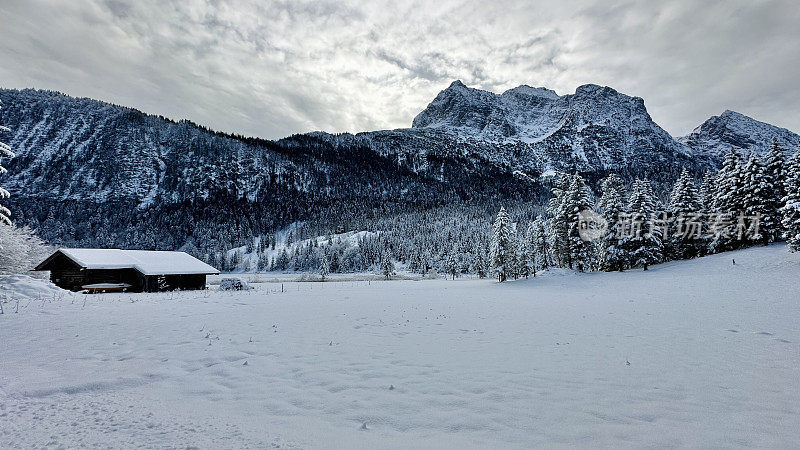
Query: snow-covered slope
[247, 261]
[734, 130]
[690, 354]
[14, 288]
[91, 174]
[82, 149]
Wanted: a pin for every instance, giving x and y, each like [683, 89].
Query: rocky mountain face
[535, 129]
[92, 173]
[742, 133]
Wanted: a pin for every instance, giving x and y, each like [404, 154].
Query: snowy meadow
[689, 353]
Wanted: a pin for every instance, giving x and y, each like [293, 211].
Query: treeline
[745, 203]
[447, 238]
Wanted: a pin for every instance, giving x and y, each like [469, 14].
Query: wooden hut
[94, 269]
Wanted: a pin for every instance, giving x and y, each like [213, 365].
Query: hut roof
[145, 261]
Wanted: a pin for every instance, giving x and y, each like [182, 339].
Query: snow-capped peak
[523, 113]
[595, 127]
[528, 91]
[735, 130]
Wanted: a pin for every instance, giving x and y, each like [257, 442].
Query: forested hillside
[89, 173]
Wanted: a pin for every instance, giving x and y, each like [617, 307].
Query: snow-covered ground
[695, 353]
[26, 288]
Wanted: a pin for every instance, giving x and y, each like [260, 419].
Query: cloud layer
[271, 69]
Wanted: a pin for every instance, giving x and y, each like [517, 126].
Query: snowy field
[693, 353]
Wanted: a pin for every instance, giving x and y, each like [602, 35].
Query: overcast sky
[271, 69]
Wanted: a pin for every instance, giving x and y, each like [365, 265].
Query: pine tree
[479, 263]
[503, 246]
[757, 198]
[324, 266]
[282, 261]
[335, 264]
[685, 222]
[263, 262]
[517, 258]
[424, 262]
[5, 152]
[523, 255]
[538, 238]
[728, 204]
[558, 230]
[641, 239]
[612, 205]
[214, 261]
[580, 252]
[236, 260]
[791, 201]
[451, 262]
[707, 192]
[531, 249]
[775, 175]
[387, 266]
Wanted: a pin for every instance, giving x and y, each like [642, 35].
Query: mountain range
[92, 173]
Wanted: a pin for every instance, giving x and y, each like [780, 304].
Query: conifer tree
[515, 256]
[503, 246]
[707, 188]
[612, 205]
[387, 266]
[641, 239]
[558, 230]
[757, 197]
[263, 262]
[479, 264]
[324, 266]
[538, 238]
[236, 260]
[531, 247]
[523, 255]
[685, 223]
[775, 177]
[282, 261]
[451, 263]
[5, 152]
[580, 252]
[728, 203]
[214, 261]
[791, 208]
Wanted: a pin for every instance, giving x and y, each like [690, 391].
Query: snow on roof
[145, 261]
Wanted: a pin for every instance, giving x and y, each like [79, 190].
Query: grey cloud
[280, 67]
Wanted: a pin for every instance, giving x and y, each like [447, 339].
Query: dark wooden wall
[65, 274]
[128, 276]
[156, 283]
